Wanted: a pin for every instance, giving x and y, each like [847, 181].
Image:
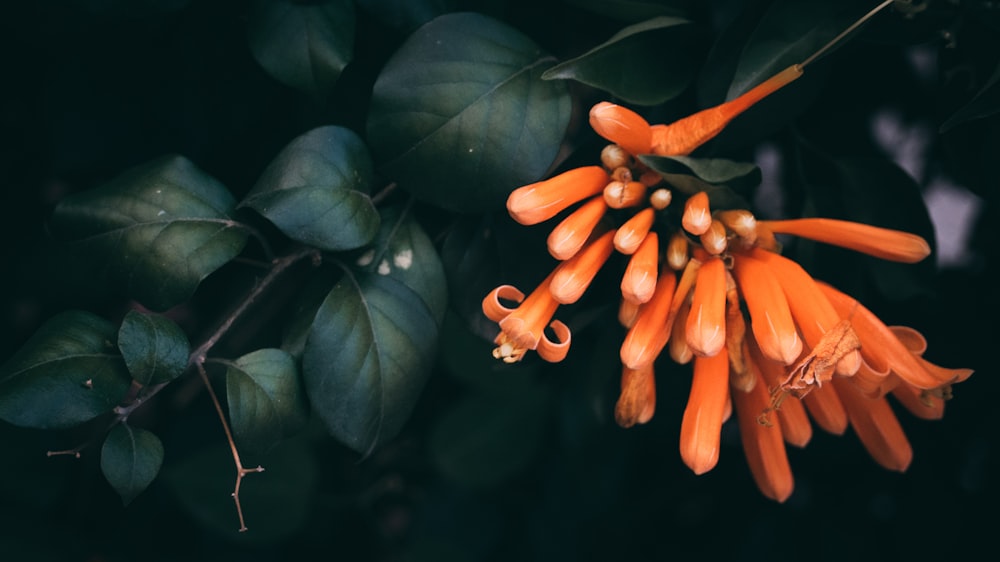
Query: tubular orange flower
[883, 350]
[522, 328]
[573, 277]
[770, 318]
[621, 194]
[639, 280]
[705, 412]
[621, 126]
[679, 350]
[683, 136]
[696, 218]
[634, 230]
[572, 233]
[876, 426]
[646, 338]
[795, 426]
[637, 401]
[762, 445]
[884, 243]
[813, 313]
[826, 409]
[540, 201]
[706, 325]
[714, 238]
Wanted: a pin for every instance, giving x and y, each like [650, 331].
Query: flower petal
[697, 217]
[639, 280]
[683, 136]
[795, 426]
[634, 230]
[572, 233]
[763, 445]
[494, 309]
[637, 401]
[876, 426]
[621, 126]
[573, 277]
[701, 424]
[770, 317]
[551, 350]
[540, 201]
[706, 325]
[884, 243]
[646, 338]
[919, 402]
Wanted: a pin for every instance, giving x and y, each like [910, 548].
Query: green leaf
[984, 104]
[634, 10]
[789, 33]
[406, 14]
[482, 440]
[455, 79]
[155, 349]
[631, 64]
[316, 190]
[707, 171]
[159, 229]
[130, 460]
[266, 400]
[304, 45]
[67, 373]
[374, 338]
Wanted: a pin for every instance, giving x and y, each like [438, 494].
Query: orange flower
[540, 201]
[572, 233]
[706, 325]
[639, 280]
[770, 318]
[763, 445]
[647, 336]
[573, 277]
[637, 401]
[701, 425]
[522, 328]
[621, 126]
[892, 245]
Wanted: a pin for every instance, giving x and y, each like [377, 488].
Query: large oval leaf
[304, 45]
[67, 373]
[130, 460]
[155, 349]
[634, 10]
[631, 64]
[316, 190]
[374, 338]
[266, 401]
[460, 116]
[159, 228]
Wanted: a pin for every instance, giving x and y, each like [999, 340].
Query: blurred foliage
[330, 176]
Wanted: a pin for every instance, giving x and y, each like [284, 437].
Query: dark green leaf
[631, 64]
[634, 10]
[159, 228]
[483, 440]
[155, 349]
[406, 15]
[374, 338]
[130, 460]
[789, 33]
[266, 401]
[304, 45]
[985, 103]
[455, 79]
[67, 373]
[316, 190]
[708, 172]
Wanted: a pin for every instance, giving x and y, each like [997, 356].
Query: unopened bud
[714, 239]
[661, 198]
[620, 195]
[677, 251]
[614, 156]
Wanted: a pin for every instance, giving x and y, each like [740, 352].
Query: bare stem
[846, 32]
[240, 470]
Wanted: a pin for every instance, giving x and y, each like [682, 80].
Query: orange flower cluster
[715, 290]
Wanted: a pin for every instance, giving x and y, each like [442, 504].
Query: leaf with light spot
[374, 337]
[155, 349]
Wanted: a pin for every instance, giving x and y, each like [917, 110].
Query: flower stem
[833, 42]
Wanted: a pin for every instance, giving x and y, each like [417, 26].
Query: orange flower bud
[621, 126]
[696, 218]
[540, 201]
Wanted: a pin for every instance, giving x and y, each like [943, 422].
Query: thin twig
[240, 470]
[846, 32]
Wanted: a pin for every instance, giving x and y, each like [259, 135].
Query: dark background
[89, 89]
